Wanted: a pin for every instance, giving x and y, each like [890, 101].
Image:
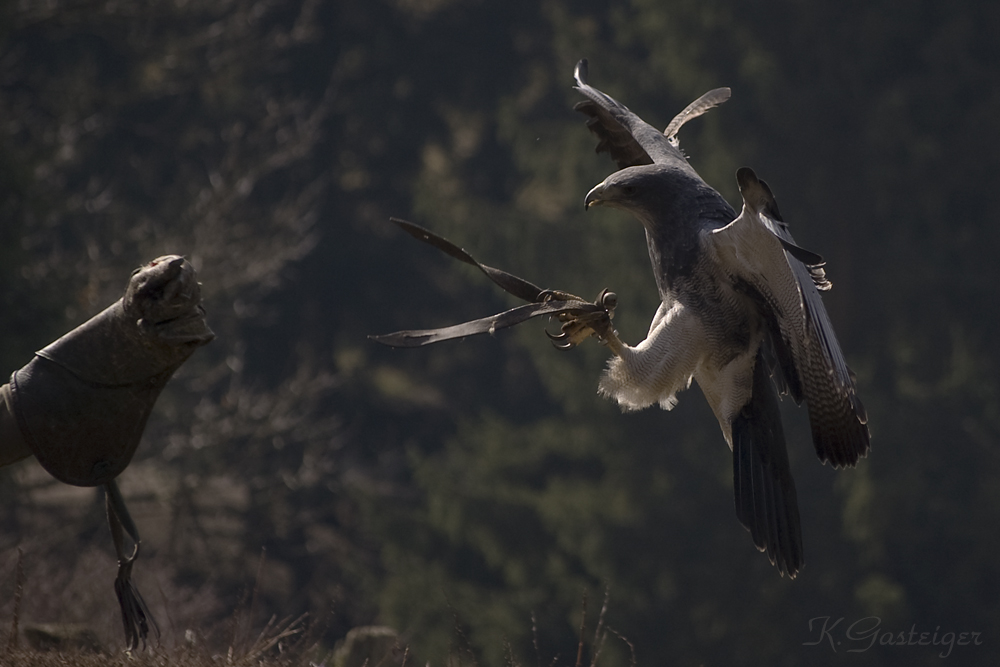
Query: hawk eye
[629, 190]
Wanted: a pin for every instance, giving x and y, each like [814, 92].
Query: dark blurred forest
[469, 494]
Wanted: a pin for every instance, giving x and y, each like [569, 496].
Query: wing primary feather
[837, 417]
[628, 139]
[709, 100]
[807, 257]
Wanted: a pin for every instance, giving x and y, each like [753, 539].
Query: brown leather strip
[540, 301]
[136, 617]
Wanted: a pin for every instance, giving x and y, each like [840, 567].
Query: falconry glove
[81, 404]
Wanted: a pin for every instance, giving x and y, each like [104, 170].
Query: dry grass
[232, 642]
[281, 643]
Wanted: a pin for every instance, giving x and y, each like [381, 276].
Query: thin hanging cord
[136, 617]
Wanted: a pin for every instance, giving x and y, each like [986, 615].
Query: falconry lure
[81, 404]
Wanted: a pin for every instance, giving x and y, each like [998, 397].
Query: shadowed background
[482, 483]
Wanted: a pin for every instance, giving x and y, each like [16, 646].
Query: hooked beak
[594, 197]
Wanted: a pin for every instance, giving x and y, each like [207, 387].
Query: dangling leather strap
[519, 287]
[540, 301]
[136, 616]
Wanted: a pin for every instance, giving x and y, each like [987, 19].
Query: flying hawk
[741, 315]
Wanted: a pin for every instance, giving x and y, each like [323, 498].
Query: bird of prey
[741, 315]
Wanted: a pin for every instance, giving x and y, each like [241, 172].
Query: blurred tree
[922, 353]
[485, 481]
[138, 129]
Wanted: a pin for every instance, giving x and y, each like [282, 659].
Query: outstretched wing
[629, 140]
[709, 100]
[757, 249]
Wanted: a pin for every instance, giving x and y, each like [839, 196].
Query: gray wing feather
[762, 200]
[753, 248]
[629, 140]
[838, 419]
[709, 100]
